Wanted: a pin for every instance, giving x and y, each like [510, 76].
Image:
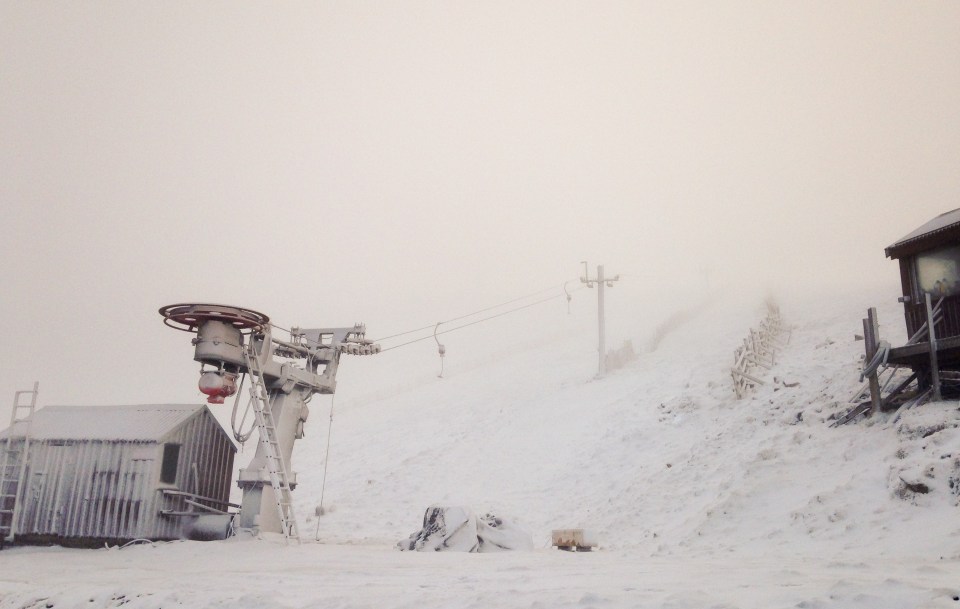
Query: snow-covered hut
[96, 474]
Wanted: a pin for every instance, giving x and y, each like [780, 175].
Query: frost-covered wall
[91, 490]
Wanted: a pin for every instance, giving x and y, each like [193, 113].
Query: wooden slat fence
[758, 351]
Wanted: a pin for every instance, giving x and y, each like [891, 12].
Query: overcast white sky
[403, 162]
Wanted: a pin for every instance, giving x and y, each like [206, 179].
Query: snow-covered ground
[699, 499]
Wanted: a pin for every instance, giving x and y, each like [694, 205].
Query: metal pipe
[205, 507]
[196, 496]
[293, 347]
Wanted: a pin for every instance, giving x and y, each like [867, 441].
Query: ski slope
[698, 499]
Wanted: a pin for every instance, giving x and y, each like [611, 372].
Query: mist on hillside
[405, 164]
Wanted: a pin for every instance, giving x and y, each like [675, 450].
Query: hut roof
[944, 227]
[144, 423]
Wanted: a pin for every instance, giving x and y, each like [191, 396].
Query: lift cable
[238, 433]
[453, 319]
[326, 461]
[502, 313]
[484, 310]
[320, 511]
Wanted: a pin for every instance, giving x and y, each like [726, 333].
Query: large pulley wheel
[189, 317]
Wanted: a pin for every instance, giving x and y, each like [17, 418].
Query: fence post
[870, 331]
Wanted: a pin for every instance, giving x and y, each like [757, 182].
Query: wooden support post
[870, 331]
[934, 367]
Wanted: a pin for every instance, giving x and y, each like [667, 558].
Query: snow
[698, 499]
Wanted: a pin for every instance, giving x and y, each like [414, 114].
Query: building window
[168, 471]
[938, 272]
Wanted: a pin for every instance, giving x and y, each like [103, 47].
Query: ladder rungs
[275, 465]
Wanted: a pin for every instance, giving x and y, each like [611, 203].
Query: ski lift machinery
[234, 342]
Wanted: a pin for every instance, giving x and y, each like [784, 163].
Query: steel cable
[502, 313]
[461, 317]
[484, 310]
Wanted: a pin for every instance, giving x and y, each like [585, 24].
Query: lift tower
[600, 282]
[283, 376]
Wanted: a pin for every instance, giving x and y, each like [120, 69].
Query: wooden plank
[934, 366]
[871, 330]
[907, 353]
[756, 360]
[893, 394]
[747, 376]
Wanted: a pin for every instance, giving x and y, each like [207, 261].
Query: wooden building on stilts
[929, 260]
[927, 366]
[930, 277]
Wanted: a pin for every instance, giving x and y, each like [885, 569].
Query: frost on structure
[458, 529]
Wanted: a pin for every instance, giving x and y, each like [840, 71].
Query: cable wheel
[189, 317]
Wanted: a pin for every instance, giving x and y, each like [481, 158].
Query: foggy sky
[403, 162]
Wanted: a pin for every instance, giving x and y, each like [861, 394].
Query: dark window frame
[169, 465]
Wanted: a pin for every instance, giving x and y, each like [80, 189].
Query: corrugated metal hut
[116, 473]
[930, 264]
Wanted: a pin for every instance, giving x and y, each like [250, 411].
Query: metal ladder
[14, 464]
[276, 466]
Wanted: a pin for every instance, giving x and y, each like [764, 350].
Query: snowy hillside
[699, 499]
[658, 456]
